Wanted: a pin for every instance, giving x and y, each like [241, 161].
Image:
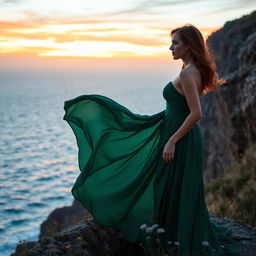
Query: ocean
[38, 151]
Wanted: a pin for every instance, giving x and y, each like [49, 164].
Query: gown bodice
[176, 104]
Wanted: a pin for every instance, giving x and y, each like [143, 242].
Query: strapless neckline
[176, 89]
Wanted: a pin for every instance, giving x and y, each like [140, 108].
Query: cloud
[10, 1]
[234, 6]
[83, 31]
[150, 7]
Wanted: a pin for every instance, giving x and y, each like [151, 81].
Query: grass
[233, 194]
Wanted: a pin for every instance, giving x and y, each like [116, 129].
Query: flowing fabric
[124, 181]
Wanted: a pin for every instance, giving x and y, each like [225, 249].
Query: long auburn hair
[202, 55]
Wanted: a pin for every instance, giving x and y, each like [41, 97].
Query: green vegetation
[233, 194]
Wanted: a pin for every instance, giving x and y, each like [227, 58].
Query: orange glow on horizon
[86, 40]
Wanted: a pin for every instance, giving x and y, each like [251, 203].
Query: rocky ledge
[88, 238]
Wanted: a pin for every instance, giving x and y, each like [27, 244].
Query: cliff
[229, 118]
[61, 218]
[88, 238]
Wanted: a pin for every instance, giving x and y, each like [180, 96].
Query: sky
[58, 33]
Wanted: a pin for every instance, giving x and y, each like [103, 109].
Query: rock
[228, 42]
[83, 238]
[62, 217]
[24, 248]
[93, 239]
[229, 118]
[241, 232]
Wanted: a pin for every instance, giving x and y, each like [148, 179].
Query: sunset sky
[50, 31]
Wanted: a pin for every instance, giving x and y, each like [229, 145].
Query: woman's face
[177, 47]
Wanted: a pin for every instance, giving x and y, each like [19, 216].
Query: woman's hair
[202, 55]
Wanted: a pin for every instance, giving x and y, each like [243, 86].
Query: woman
[141, 169]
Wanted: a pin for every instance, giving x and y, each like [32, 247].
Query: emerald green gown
[124, 181]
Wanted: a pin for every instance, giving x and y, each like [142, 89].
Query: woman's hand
[168, 153]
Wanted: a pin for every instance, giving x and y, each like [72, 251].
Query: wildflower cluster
[153, 245]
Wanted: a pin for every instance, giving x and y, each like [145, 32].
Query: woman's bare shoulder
[193, 72]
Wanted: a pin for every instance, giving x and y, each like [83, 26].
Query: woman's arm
[191, 93]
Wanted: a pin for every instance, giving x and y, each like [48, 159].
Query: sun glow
[39, 31]
[102, 40]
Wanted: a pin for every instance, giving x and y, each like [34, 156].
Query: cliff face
[84, 238]
[63, 217]
[229, 114]
[233, 44]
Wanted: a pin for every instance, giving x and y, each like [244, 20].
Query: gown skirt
[125, 183]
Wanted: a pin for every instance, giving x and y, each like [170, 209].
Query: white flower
[149, 230]
[160, 230]
[222, 246]
[155, 226]
[148, 237]
[205, 243]
[143, 226]
[177, 243]
[169, 242]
